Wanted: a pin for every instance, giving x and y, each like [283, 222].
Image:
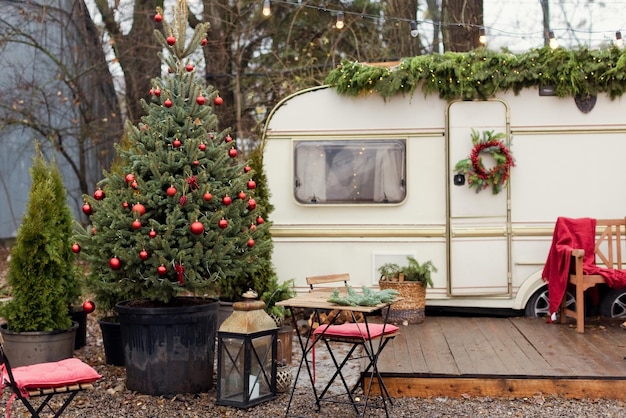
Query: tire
[539, 303]
[613, 304]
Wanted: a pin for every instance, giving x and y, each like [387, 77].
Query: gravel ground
[111, 398]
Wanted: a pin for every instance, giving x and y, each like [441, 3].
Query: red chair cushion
[54, 374]
[355, 330]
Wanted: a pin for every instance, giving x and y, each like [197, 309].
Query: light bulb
[619, 42]
[339, 24]
[266, 8]
[554, 44]
[414, 31]
[482, 38]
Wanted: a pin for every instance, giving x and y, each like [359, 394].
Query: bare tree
[57, 90]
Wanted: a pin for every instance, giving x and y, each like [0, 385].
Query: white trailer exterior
[489, 249]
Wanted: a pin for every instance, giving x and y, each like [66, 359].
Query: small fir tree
[43, 273]
[179, 212]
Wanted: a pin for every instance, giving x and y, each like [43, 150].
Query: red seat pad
[54, 374]
[355, 330]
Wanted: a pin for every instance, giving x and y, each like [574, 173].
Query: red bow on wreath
[472, 167]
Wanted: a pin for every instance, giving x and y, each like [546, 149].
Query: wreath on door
[473, 168]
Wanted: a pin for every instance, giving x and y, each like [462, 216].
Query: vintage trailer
[360, 181]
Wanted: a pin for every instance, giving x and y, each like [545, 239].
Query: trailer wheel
[613, 304]
[539, 303]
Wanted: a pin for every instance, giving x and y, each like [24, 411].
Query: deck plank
[450, 356]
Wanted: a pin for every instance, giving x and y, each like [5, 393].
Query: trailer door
[478, 226]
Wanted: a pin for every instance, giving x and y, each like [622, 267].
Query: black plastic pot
[169, 349]
[80, 317]
[112, 340]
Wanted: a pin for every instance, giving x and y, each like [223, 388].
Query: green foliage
[413, 271]
[177, 144]
[43, 273]
[367, 298]
[481, 73]
[416, 272]
[275, 293]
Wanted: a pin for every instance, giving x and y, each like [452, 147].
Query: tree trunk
[462, 20]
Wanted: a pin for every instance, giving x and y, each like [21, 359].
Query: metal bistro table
[373, 346]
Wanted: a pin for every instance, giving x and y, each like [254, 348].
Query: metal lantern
[246, 362]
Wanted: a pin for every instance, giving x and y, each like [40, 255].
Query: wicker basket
[411, 307]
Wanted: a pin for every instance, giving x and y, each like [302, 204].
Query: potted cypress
[43, 275]
[411, 282]
[177, 214]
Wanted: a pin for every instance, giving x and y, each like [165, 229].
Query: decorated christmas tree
[178, 213]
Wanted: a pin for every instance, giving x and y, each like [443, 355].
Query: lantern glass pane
[232, 369]
[261, 367]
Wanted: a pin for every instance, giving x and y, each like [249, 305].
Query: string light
[339, 23]
[414, 31]
[619, 42]
[482, 38]
[266, 8]
[377, 18]
[554, 44]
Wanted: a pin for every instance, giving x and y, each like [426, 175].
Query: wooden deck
[506, 357]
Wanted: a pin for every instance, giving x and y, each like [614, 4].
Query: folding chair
[65, 377]
[358, 335]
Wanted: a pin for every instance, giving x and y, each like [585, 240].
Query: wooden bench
[608, 253]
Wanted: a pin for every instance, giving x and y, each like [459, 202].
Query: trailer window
[350, 171]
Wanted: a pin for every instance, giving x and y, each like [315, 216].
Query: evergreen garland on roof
[482, 73]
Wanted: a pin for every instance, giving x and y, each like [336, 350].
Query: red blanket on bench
[572, 234]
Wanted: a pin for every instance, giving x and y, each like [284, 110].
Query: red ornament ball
[200, 100]
[196, 163]
[162, 270]
[87, 209]
[247, 169]
[139, 209]
[152, 233]
[228, 138]
[251, 184]
[197, 228]
[241, 195]
[93, 230]
[98, 194]
[75, 248]
[171, 40]
[157, 92]
[204, 41]
[227, 200]
[207, 197]
[260, 220]
[222, 223]
[202, 146]
[167, 103]
[176, 143]
[89, 306]
[158, 18]
[218, 101]
[252, 227]
[129, 178]
[251, 204]
[232, 153]
[143, 254]
[171, 191]
[115, 263]
[136, 224]
[134, 184]
[125, 205]
[250, 243]
[189, 68]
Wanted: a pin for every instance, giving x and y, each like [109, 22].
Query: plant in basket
[177, 214]
[43, 275]
[416, 277]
